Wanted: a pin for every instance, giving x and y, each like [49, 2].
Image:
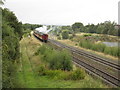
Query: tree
[11, 34]
[65, 34]
[11, 20]
[77, 27]
[91, 28]
[107, 27]
[99, 28]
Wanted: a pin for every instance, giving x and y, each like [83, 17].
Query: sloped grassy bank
[36, 70]
[58, 64]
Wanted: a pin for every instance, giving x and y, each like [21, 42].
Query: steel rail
[104, 75]
[95, 58]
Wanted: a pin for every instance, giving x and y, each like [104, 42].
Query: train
[42, 36]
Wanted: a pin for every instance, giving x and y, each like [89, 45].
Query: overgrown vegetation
[77, 74]
[65, 34]
[28, 26]
[114, 51]
[107, 27]
[35, 72]
[56, 59]
[11, 35]
[58, 65]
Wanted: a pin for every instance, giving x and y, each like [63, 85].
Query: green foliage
[8, 74]
[69, 28]
[107, 27]
[86, 35]
[42, 70]
[90, 28]
[114, 51]
[77, 27]
[77, 75]
[11, 34]
[85, 44]
[56, 59]
[11, 20]
[42, 49]
[65, 34]
[59, 38]
[54, 73]
[30, 26]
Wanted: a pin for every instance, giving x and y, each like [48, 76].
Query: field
[92, 43]
[27, 76]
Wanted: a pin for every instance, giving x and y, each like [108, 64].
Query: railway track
[88, 55]
[109, 78]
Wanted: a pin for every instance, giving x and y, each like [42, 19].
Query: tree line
[11, 35]
[12, 32]
[107, 28]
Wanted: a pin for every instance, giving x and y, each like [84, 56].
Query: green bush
[11, 35]
[112, 51]
[71, 37]
[42, 49]
[56, 59]
[42, 70]
[59, 38]
[86, 35]
[53, 73]
[85, 44]
[100, 47]
[66, 60]
[77, 75]
[9, 70]
[65, 34]
[64, 75]
[76, 44]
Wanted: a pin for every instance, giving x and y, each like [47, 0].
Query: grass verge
[28, 74]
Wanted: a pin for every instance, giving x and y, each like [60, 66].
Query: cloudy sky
[64, 12]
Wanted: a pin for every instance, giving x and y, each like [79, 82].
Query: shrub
[66, 60]
[71, 37]
[56, 59]
[42, 70]
[59, 38]
[76, 44]
[86, 35]
[65, 34]
[85, 44]
[77, 74]
[42, 49]
[53, 73]
[65, 75]
[115, 51]
[112, 51]
[100, 47]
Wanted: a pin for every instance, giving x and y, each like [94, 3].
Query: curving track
[106, 76]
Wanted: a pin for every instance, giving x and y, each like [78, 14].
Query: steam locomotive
[43, 37]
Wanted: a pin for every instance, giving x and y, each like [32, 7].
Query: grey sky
[64, 11]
